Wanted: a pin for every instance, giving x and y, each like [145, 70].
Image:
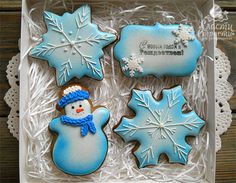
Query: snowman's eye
[72, 107]
[80, 105]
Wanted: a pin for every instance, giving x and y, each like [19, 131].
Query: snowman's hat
[72, 94]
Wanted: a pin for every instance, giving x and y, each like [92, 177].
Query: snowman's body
[76, 154]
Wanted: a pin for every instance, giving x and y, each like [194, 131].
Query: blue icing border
[73, 45]
[132, 41]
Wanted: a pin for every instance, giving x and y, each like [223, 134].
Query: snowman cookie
[81, 145]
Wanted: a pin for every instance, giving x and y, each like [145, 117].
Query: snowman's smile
[79, 110]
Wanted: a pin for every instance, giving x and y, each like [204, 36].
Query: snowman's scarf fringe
[113, 92]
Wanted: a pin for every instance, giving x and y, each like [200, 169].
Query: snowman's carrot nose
[79, 110]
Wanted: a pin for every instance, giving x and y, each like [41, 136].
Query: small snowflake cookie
[73, 45]
[171, 50]
[81, 145]
[159, 126]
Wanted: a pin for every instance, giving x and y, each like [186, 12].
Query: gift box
[38, 93]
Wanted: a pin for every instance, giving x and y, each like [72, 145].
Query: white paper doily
[12, 95]
[224, 91]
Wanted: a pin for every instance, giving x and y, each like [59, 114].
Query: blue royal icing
[76, 154]
[171, 50]
[73, 45]
[85, 123]
[72, 97]
[160, 126]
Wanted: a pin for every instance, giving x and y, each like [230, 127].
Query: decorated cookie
[73, 45]
[159, 126]
[171, 50]
[81, 145]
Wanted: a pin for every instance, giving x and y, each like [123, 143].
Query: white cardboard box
[204, 6]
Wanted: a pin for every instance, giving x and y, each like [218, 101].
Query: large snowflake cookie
[73, 45]
[81, 145]
[159, 126]
[159, 50]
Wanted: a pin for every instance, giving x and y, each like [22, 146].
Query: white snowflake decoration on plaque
[183, 35]
[132, 65]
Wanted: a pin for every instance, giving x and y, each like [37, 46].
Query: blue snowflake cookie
[81, 145]
[170, 50]
[73, 45]
[159, 126]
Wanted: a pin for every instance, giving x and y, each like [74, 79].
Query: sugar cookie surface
[171, 50]
[159, 126]
[73, 45]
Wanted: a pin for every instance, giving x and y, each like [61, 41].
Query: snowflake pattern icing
[183, 35]
[132, 64]
[159, 126]
[73, 45]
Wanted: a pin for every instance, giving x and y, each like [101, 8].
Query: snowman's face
[78, 109]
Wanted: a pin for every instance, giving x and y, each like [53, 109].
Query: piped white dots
[63, 40]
